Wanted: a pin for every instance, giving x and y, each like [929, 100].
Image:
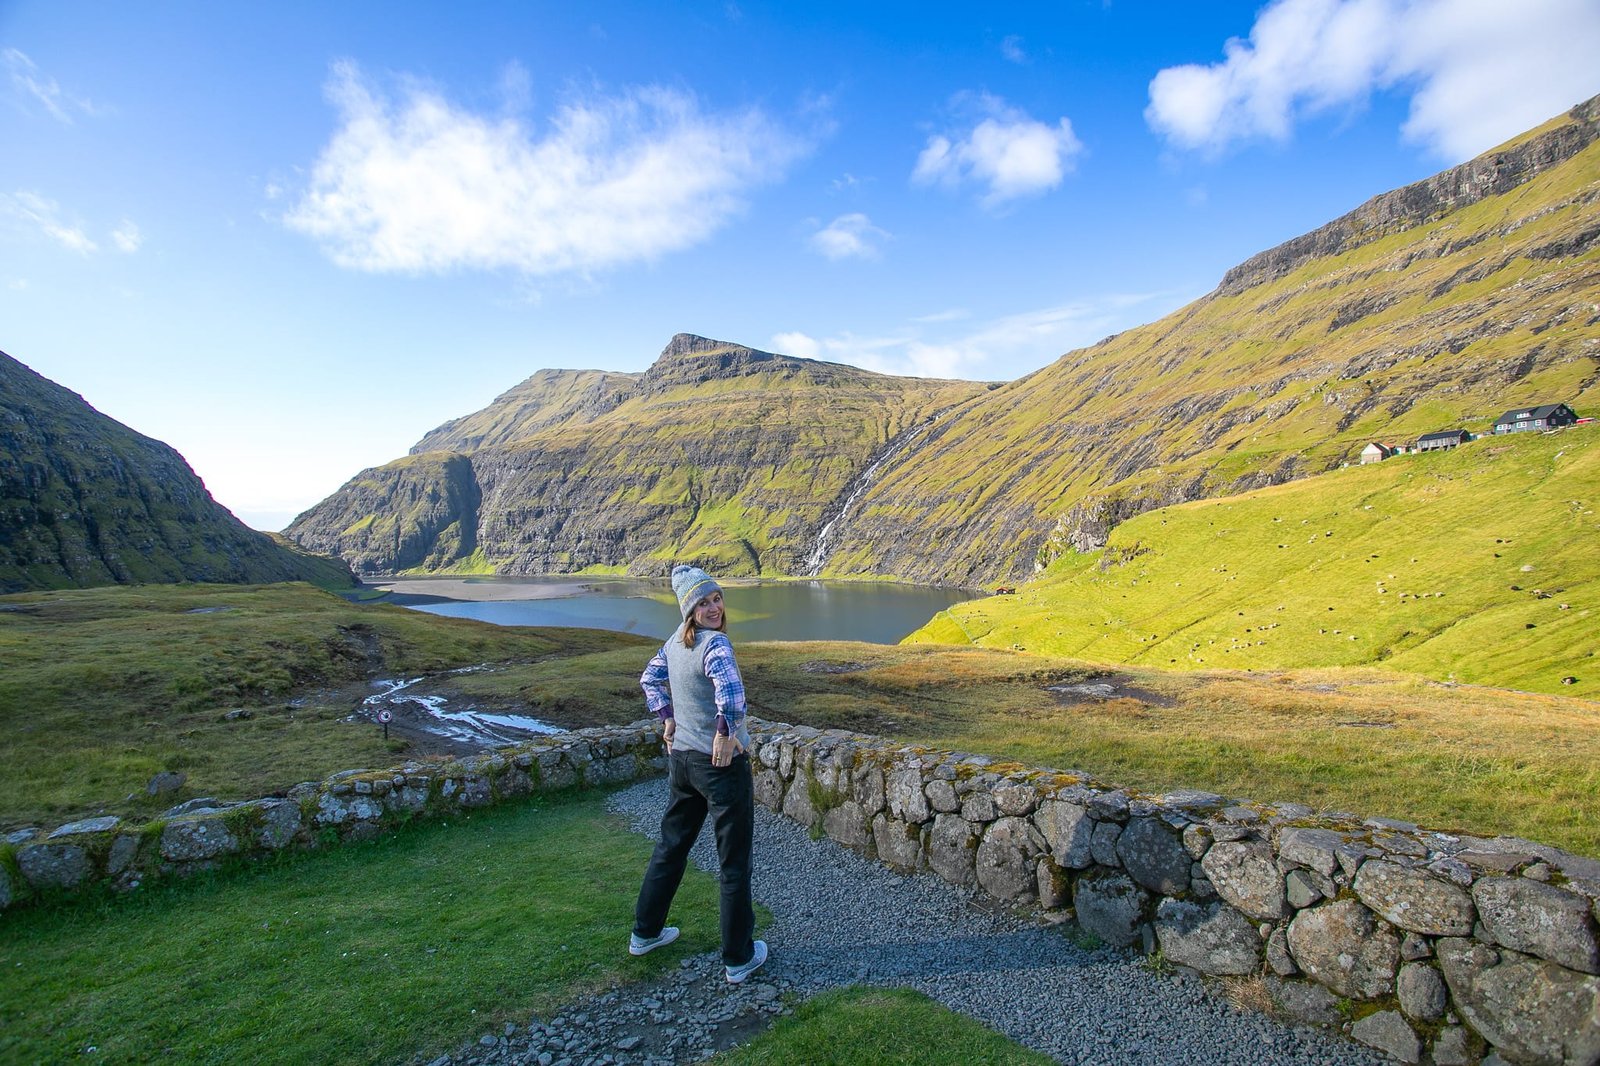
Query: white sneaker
[638, 945]
[737, 974]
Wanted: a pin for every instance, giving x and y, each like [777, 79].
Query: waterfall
[892, 450]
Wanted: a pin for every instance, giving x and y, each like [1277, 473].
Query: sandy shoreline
[452, 588]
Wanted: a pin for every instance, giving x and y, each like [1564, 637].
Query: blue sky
[289, 239]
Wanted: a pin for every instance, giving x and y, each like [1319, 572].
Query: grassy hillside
[102, 688]
[1478, 565]
[1437, 306]
[1434, 306]
[86, 501]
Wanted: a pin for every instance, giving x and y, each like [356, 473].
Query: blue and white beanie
[691, 585]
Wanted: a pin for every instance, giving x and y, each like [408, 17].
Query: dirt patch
[823, 666]
[1105, 688]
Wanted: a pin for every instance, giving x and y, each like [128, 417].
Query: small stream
[433, 715]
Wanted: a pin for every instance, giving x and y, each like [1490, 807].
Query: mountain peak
[689, 360]
[690, 344]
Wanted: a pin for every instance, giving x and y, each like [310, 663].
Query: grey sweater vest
[694, 700]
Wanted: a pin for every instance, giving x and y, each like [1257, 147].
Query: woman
[693, 685]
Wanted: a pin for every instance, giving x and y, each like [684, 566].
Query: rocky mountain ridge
[718, 451]
[1438, 305]
[84, 500]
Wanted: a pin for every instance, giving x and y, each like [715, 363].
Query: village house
[1448, 438]
[1531, 419]
[1376, 452]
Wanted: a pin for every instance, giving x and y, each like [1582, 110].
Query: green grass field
[1479, 565]
[385, 951]
[874, 1027]
[102, 688]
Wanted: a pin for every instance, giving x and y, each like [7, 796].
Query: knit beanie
[691, 585]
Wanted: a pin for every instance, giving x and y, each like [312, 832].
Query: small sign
[384, 717]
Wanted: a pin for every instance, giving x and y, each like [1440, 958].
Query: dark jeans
[694, 789]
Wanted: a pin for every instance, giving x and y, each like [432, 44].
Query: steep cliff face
[718, 452]
[417, 513]
[84, 500]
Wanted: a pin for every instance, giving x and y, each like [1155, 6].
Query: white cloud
[1000, 349]
[800, 344]
[424, 186]
[1012, 49]
[1478, 71]
[36, 212]
[1008, 153]
[127, 237]
[27, 80]
[849, 237]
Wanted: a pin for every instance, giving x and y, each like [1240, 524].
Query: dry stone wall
[350, 805]
[1428, 946]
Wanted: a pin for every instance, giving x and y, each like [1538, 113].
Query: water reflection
[873, 612]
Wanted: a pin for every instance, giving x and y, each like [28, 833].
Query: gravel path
[840, 919]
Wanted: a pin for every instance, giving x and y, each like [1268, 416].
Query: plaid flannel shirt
[726, 684]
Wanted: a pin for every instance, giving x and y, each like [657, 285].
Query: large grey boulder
[1422, 992]
[1343, 946]
[280, 822]
[1067, 830]
[1155, 856]
[847, 824]
[87, 827]
[952, 847]
[1103, 844]
[54, 865]
[769, 789]
[1533, 1010]
[1244, 874]
[1214, 940]
[1388, 1032]
[165, 781]
[1304, 1001]
[345, 810]
[1414, 899]
[867, 781]
[898, 844]
[1005, 858]
[907, 801]
[1538, 919]
[1111, 906]
[1317, 849]
[1016, 799]
[797, 805]
[942, 796]
[556, 770]
[197, 838]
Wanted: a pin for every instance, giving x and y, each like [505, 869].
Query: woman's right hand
[667, 732]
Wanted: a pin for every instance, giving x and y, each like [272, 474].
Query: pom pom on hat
[691, 585]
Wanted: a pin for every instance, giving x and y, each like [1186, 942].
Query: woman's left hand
[723, 749]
